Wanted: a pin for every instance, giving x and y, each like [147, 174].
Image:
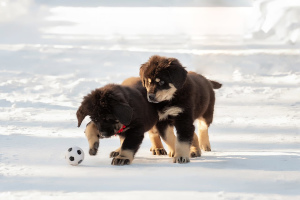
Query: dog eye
[161, 83]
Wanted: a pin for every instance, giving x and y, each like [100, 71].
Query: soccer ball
[74, 155]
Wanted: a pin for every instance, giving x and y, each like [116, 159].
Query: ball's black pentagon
[71, 158]
[70, 149]
[80, 161]
[79, 152]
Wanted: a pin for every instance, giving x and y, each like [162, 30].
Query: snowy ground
[255, 136]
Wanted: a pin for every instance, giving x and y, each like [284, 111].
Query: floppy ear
[142, 72]
[177, 73]
[83, 110]
[123, 112]
[81, 114]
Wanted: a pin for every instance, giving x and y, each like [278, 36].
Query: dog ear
[142, 72]
[83, 109]
[123, 112]
[177, 72]
[81, 114]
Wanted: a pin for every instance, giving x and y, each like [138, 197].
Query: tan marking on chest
[169, 111]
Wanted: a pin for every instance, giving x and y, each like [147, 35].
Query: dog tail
[215, 84]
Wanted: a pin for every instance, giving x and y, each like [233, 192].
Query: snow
[279, 18]
[255, 136]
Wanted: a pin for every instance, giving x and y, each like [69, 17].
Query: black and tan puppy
[180, 97]
[122, 110]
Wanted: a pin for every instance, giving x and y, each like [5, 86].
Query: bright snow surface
[255, 136]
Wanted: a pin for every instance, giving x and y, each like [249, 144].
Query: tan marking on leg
[155, 138]
[127, 153]
[203, 135]
[157, 146]
[117, 151]
[182, 152]
[170, 140]
[92, 132]
[195, 150]
[157, 79]
[121, 140]
[124, 158]
[168, 94]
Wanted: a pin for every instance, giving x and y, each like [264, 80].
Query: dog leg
[203, 135]
[195, 150]
[185, 133]
[170, 140]
[129, 147]
[92, 134]
[182, 150]
[117, 151]
[167, 134]
[124, 158]
[157, 146]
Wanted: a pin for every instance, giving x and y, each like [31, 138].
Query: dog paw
[195, 153]
[114, 154]
[119, 160]
[93, 151]
[205, 147]
[158, 151]
[181, 160]
[171, 154]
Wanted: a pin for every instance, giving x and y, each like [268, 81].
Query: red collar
[121, 129]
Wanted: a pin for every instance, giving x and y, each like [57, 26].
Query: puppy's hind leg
[157, 146]
[204, 122]
[166, 131]
[203, 134]
[195, 150]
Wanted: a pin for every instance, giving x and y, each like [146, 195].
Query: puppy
[120, 110]
[180, 97]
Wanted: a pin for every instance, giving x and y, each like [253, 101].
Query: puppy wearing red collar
[120, 110]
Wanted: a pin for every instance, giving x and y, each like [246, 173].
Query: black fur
[113, 105]
[194, 94]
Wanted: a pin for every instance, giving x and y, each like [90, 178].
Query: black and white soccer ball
[74, 155]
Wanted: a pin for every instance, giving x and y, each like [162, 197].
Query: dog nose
[151, 97]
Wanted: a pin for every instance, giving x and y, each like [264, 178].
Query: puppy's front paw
[93, 151]
[120, 160]
[181, 160]
[158, 151]
[195, 153]
[114, 154]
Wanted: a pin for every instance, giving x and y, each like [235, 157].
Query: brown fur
[193, 98]
[113, 106]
